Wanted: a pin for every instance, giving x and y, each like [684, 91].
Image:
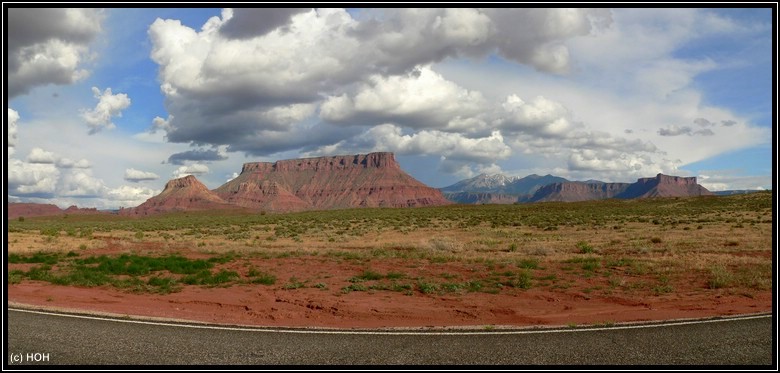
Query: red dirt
[264, 305]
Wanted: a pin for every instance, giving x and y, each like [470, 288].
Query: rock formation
[659, 186]
[363, 180]
[573, 191]
[26, 210]
[665, 186]
[16, 210]
[182, 194]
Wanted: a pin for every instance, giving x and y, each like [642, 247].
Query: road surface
[47, 338]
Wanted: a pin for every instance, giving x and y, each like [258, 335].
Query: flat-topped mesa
[665, 186]
[338, 162]
[573, 191]
[666, 179]
[330, 182]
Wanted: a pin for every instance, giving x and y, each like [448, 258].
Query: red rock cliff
[182, 194]
[578, 191]
[363, 180]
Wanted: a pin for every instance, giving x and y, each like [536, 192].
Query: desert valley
[354, 241]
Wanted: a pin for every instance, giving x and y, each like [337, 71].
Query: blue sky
[106, 105]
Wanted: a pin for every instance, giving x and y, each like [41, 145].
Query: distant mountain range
[502, 184]
[534, 188]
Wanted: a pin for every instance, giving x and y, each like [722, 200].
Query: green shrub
[585, 248]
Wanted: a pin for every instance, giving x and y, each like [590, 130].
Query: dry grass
[732, 246]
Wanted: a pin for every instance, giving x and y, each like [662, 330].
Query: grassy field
[649, 246]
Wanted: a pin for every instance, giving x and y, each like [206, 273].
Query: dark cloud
[46, 46]
[248, 23]
[198, 155]
[260, 95]
[728, 123]
[684, 130]
[703, 122]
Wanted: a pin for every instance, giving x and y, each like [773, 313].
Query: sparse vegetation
[638, 247]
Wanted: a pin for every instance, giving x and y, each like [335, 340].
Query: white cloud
[541, 117]
[717, 180]
[109, 105]
[127, 196]
[388, 137]
[34, 179]
[159, 123]
[225, 84]
[81, 183]
[69, 163]
[135, 176]
[38, 155]
[421, 99]
[13, 117]
[48, 46]
[193, 169]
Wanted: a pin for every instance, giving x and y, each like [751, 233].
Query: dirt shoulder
[329, 305]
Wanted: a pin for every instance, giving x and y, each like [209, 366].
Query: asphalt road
[55, 340]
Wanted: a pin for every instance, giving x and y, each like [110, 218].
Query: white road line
[356, 332]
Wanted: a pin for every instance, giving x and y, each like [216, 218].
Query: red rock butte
[659, 186]
[321, 183]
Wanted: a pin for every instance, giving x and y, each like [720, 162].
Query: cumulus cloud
[135, 176]
[389, 137]
[160, 124]
[249, 23]
[81, 183]
[128, 196]
[255, 87]
[605, 160]
[13, 117]
[421, 99]
[69, 163]
[194, 169]
[536, 36]
[540, 116]
[109, 105]
[48, 46]
[38, 155]
[32, 179]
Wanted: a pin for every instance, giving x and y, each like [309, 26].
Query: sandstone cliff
[665, 186]
[577, 191]
[363, 180]
[182, 194]
[16, 210]
[659, 186]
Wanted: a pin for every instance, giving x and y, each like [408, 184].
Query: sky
[104, 106]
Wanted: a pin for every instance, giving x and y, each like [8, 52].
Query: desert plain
[482, 266]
